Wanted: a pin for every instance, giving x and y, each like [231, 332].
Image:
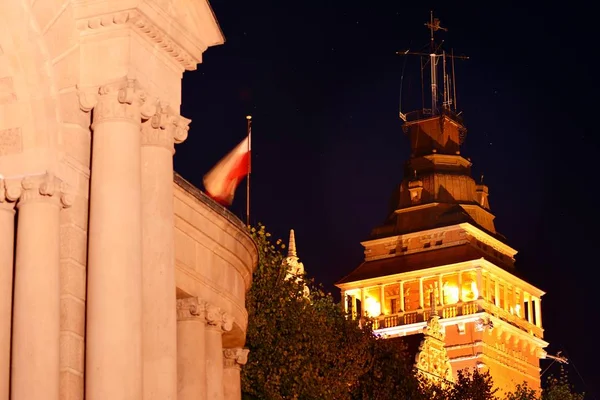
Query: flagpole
[249, 127]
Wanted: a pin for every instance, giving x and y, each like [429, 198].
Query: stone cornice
[488, 239]
[149, 21]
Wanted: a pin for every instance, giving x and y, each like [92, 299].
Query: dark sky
[322, 80]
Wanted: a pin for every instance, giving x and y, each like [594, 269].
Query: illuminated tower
[439, 244]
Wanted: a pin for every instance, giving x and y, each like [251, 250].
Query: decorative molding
[122, 99]
[44, 187]
[190, 308]
[235, 358]
[140, 23]
[432, 360]
[218, 319]
[165, 128]
[9, 191]
[473, 232]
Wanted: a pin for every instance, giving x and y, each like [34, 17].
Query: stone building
[118, 279]
[439, 249]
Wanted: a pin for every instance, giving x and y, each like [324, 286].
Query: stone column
[217, 323]
[538, 312]
[440, 290]
[461, 299]
[233, 359]
[7, 245]
[36, 320]
[421, 295]
[114, 302]
[159, 318]
[191, 359]
[529, 308]
[479, 283]
[401, 297]
[363, 298]
[496, 293]
[382, 298]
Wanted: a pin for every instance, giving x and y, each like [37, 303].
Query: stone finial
[292, 245]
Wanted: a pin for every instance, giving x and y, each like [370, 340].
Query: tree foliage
[559, 388]
[305, 347]
[300, 347]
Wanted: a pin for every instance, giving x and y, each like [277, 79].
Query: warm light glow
[372, 307]
[451, 294]
[474, 290]
[518, 310]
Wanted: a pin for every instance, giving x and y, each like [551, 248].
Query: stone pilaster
[158, 254]
[233, 359]
[218, 322]
[8, 195]
[36, 319]
[191, 364]
[114, 304]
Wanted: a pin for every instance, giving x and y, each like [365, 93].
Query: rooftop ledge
[210, 203]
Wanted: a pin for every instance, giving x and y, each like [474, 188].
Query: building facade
[118, 279]
[439, 251]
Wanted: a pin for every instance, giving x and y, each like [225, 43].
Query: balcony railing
[456, 310]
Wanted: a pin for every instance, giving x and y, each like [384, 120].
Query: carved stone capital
[121, 100]
[45, 187]
[190, 308]
[235, 358]
[9, 194]
[217, 319]
[165, 128]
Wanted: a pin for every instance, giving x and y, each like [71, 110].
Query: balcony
[456, 310]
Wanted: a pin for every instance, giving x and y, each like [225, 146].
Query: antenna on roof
[448, 81]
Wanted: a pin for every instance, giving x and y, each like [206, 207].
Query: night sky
[322, 81]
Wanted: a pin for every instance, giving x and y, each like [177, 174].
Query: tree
[474, 385]
[390, 375]
[300, 347]
[522, 392]
[559, 388]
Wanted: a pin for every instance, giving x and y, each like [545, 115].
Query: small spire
[292, 245]
[481, 181]
[433, 303]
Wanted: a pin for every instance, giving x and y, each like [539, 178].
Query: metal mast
[449, 93]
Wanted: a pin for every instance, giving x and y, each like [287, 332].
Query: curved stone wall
[214, 256]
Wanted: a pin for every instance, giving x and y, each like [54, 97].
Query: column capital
[165, 128]
[122, 99]
[9, 194]
[217, 319]
[46, 187]
[190, 308]
[235, 358]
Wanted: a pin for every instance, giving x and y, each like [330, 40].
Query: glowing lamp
[451, 294]
[372, 307]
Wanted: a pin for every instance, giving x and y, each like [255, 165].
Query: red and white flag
[222, 180]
